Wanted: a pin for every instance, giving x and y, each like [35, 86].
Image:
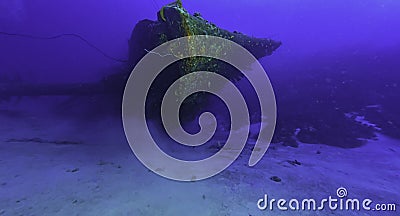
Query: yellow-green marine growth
[177, 3]
[162, 14]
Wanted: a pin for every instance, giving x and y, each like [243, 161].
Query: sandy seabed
[58, 166]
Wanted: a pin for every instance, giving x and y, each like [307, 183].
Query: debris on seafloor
[275, 179]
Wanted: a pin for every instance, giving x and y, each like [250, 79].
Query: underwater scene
[187, 107]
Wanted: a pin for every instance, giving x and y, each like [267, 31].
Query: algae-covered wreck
[173, 22]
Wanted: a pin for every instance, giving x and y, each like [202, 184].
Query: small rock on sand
[275, 179]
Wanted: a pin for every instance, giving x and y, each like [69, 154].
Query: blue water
[336, 80]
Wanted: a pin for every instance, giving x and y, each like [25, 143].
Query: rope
[65, 35]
